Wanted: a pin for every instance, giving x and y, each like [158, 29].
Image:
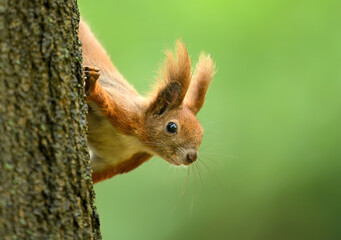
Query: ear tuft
[204, 72]
[176, 77]
[178, 68]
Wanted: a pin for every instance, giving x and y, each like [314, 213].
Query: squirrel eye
[172, 128]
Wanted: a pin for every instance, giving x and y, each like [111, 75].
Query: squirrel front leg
[91, 75]
[118, 116]
[93, 88]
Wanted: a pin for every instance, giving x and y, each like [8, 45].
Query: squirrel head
[171, 129]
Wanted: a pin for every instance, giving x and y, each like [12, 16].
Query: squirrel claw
[91, 75]
[90, 68]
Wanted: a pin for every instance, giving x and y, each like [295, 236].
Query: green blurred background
[272, 120]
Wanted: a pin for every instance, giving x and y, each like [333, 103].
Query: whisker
[185, 185]
[199, 174]
[192, 204]
[182, 193]
[212, 160]
[205, 165]
[210, 171]
[202, 148]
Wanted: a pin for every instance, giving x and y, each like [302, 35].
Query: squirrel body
[125, 128]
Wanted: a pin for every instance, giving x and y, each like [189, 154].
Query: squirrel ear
[204, 72]
[176, 77]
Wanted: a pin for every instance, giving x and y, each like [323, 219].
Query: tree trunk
[46, 190]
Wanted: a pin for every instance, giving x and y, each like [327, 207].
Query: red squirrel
[125, 128]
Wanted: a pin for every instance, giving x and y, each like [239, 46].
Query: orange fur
[125, 122]
[126, 129]
[203, 77]
[120, 168]
[93, 53]
[175, 79]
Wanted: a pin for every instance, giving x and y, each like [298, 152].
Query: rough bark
[45, 185]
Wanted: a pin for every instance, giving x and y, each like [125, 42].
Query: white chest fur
[107, 146]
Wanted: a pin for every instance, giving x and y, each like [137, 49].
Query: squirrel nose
[191, 156]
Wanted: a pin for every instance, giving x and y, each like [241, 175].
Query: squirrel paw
[91, 75]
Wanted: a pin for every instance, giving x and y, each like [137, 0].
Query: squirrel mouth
[191, 157]
[173, 162]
